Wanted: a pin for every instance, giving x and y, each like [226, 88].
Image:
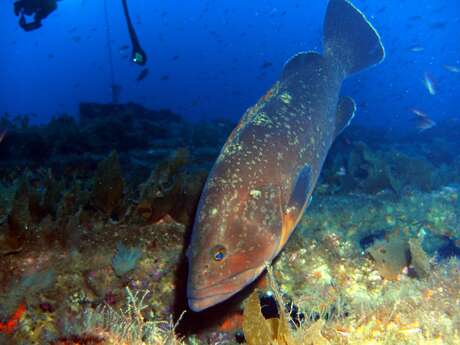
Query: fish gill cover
[113, 113]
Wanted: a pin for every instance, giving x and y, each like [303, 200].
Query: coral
[36, 329]
[52, 194]
[160, 192]
[125, 259]
[370, 187]
[405, 170]
[108, 185]
[373, 170]
[37, 281]
[72, 200]
[19, 295]
[102, 281]
[19, 219]
[183, 210]
[172, 190]
[9, 326]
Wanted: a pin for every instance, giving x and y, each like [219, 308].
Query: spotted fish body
[265, 174]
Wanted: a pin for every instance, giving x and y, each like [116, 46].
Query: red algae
[9, 326]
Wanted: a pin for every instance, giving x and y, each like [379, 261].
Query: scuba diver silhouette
[39, 9]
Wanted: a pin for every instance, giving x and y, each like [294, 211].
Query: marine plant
[109, 185]
[125, 259]
[130, 325]
[278, 331]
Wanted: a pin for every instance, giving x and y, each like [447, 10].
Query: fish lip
[208, 296]
[199, 304]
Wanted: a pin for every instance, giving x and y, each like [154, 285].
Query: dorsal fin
[300, 63]
[346, 109]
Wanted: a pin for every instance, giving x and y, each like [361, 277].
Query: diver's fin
[301, 188]
[346, 109]
[298, 63]
[349, 39]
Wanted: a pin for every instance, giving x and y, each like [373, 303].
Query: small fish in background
[164, 77]
[381, 10]
[143, 74]
[452, 68]
[438, 25]
[2, 135]
[422, 121]
[416, 48]
[124, 47]
[266, 64]
[415, 18]
[429, 83]
[341, 172]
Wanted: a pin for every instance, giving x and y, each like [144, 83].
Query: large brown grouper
[264, 176]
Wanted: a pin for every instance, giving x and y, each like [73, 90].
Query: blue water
[212, 52]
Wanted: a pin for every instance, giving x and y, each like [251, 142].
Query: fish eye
[218, 252]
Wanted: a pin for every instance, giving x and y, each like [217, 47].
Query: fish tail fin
[349, 39]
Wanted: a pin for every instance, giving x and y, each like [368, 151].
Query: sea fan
[125, 259]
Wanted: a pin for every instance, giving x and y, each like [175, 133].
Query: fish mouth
[203, 298]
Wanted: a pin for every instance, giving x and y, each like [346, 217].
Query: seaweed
[277, 331]
[27, 288]
[19, 219]
[391, 256]
[53, 193]
[129, 325]
[419, 259]
[374, 170]
[171, 190]
[108, 185]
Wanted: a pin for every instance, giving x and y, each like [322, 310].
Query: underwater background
[221, 56]
[99, 190]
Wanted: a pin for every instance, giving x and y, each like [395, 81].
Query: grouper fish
[263, 179]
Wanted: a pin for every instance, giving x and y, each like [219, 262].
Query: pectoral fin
[297, 203]
[302, 187]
